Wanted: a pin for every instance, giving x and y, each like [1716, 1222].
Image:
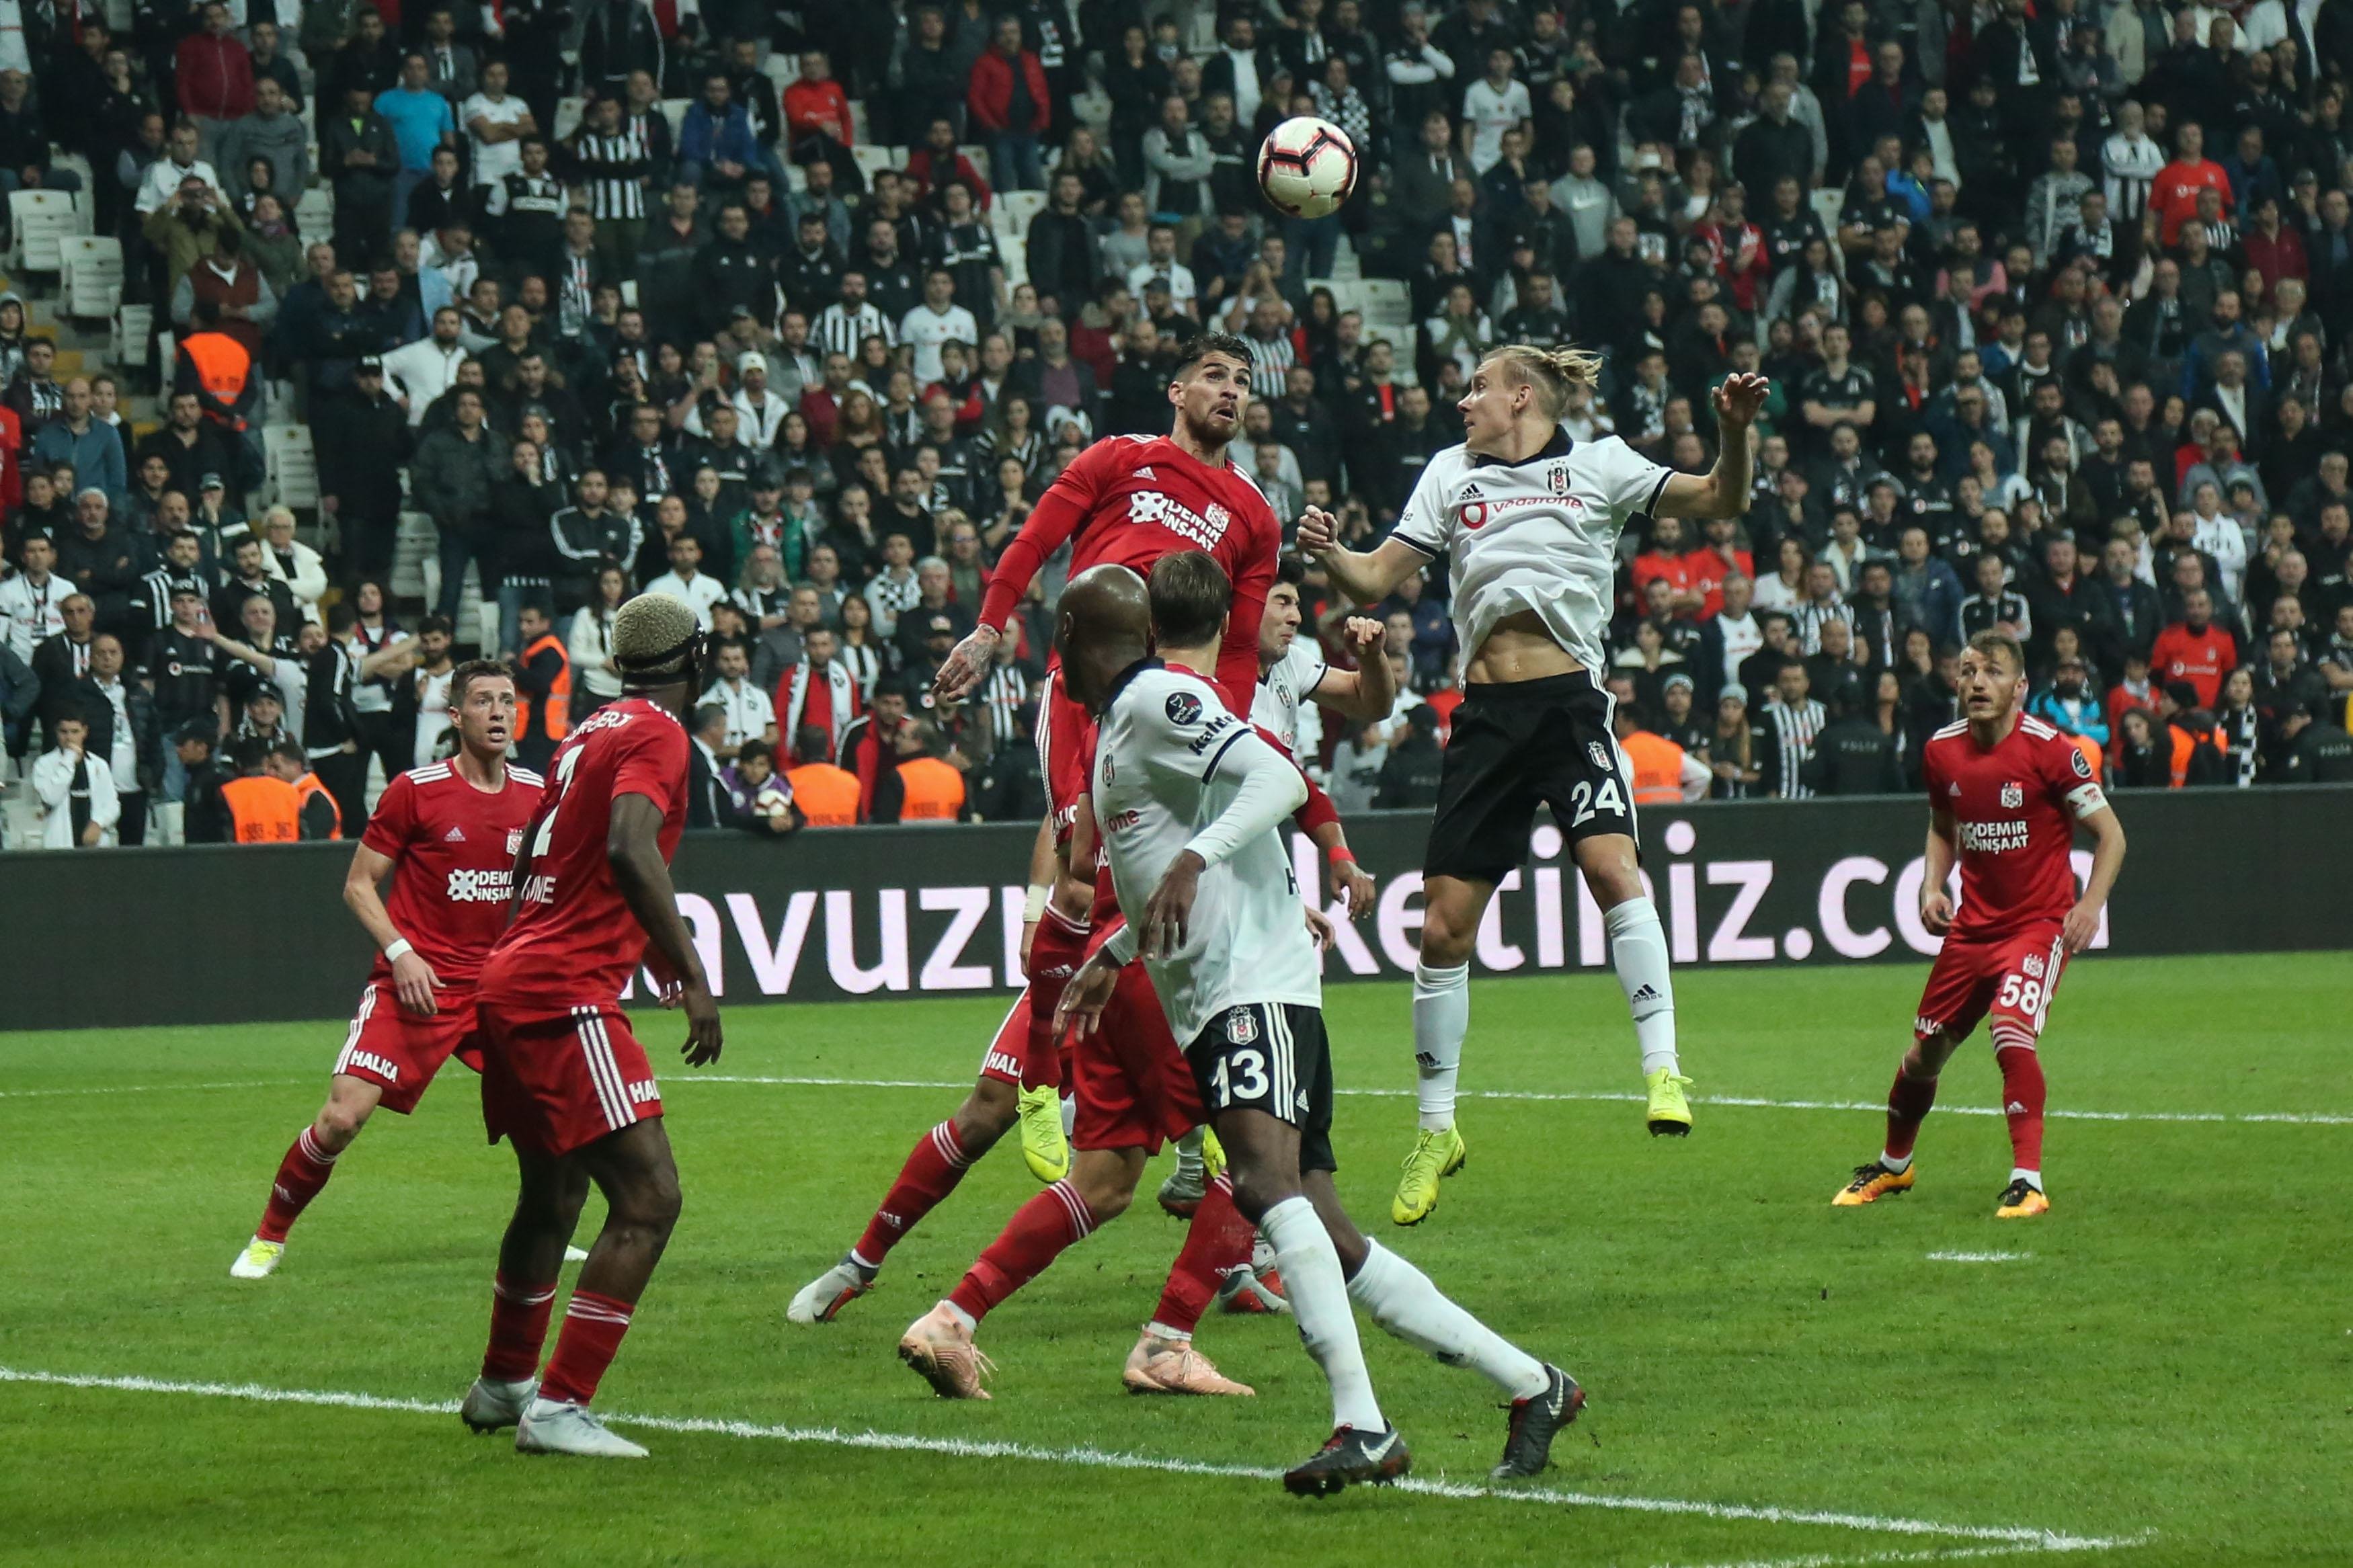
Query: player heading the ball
[1530, 520]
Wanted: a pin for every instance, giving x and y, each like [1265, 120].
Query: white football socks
[1402, 1300]
[1319, 1296]
[1638, 951]
[1188, 1155]
[1442, 1016]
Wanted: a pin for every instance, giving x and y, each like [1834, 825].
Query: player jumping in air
[447, 836]
[2005, 791]
[1189, 797]
[1531, 520]
[1125, 499]
[564, 1078]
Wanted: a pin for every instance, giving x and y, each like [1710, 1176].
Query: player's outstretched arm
[1723, 490]
[633, 850]
[413, 980]
[2107, 859]
[1367, 577]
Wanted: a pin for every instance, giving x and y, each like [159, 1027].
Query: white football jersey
[1540, 535]
[1283, 693]
[1167, 755]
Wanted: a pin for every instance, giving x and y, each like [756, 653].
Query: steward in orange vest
[930, 790]
[217, 369]
[543, 691]
[317, 815]
[1660, 768]
[262, 808]
[826, 795]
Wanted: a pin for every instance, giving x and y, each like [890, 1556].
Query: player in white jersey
[1292, 672]
[1190, 799]
[1530, 520]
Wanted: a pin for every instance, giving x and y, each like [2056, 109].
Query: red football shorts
[2010, 974]
[398, 1052]
[1066, 750]
[1135, 1088]
[557, 1080]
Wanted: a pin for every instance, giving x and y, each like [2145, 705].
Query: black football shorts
[1515, 746]
[1272, 1056]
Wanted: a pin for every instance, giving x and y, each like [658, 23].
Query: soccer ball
[771, 802]
[1307, 166]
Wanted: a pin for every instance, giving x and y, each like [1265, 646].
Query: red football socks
[1907, 1104]
[300, 1176]
[934, 1167]
[1216, 1243]
[592, 1327]
[1035, 1235]
[518, 1328]
[2021, 1102]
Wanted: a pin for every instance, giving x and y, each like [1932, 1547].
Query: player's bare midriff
[1518, 648]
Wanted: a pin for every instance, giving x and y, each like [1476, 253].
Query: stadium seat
[1012, 211]
[293, 464]
[412, 547]
[85, 214]
[39, 219]
[93, 275]
[1827, 203]
[134, 328]
[859, 133]
[630, 292]
[314, 213]
[1385, 302]
[783, 67]
[568, 111]
[1016, 252]
[872, 161]
[674, 110]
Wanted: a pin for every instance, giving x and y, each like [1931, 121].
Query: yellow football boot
[1436, 1155]
[1871, 1182]
[1043, 1146]
[2021, 1201]
[1670, 1112]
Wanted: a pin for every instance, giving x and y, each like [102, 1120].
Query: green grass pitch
[2159, 1377]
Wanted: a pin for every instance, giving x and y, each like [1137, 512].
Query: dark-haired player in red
[446, 835]
[2005, 791]
[564, 1078]
[1128, 501]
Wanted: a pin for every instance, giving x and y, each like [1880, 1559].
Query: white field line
[142, 1088]
[1933, 1554]
[2016, 1536]
[1979, 1256]
[1738, 1102]
[1744, 1102]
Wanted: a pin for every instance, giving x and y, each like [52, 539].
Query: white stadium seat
[1011, 211]
[293, 464]
[1385, 302]
[93, 275]
[39, 219]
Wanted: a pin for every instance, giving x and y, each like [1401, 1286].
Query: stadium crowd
[2056, 298]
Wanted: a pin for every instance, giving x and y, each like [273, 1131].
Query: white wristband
[397, 949]
[1033, 908]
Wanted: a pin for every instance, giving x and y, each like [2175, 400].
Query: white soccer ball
[771, 802]
[1307, 166]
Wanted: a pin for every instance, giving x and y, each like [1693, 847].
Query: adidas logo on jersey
[1954, 790]
[2013, 1109]
[456, 835]
[1146, 472]
[1471, 492]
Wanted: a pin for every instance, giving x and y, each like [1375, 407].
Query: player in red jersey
[564, 1078]
[1128, 501]
[446, 835]
[2005, 791]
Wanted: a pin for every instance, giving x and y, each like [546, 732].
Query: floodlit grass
[2166, 1365]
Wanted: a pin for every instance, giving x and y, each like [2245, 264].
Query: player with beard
[447, 836]
[1531, 520]
[1132, 500]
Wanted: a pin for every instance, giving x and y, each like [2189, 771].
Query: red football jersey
[453, 852]
[1131, 500]
[2014, 807]
[574, 941]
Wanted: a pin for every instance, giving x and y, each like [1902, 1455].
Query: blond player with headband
[1530, 521]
